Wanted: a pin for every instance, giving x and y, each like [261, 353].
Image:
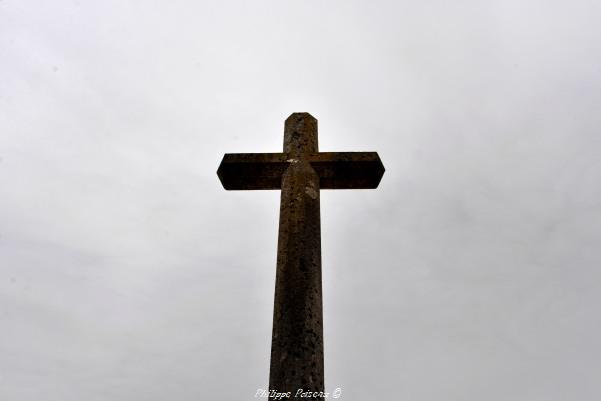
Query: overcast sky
[128, 273]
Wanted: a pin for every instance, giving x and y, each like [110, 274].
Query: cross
[299, 172]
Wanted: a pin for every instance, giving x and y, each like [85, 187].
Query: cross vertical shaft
[297, 337]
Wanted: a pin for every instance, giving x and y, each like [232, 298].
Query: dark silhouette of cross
[299, 172]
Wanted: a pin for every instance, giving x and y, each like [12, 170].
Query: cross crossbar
[336, 170]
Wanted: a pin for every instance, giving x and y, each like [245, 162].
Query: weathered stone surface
[300, 135]
[300, 172]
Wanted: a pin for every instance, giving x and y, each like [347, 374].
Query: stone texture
[300, 172]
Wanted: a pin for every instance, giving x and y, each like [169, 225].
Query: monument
[300, 172]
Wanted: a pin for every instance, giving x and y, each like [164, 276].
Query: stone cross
[299, 172]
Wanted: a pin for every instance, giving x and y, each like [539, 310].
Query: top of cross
[336, 170]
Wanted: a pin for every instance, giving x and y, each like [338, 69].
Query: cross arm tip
[251, 171]
[348, 170]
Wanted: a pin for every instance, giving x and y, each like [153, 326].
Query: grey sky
[471, 273]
